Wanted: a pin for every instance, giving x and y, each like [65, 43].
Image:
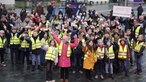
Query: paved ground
[17, 73]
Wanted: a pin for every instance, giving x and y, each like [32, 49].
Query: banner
[122, 11]
[7, 2]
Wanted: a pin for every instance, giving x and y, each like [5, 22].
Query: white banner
[122, 11]
[7, 2]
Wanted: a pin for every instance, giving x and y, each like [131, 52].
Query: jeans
[49, 70]
[99, 67]
[138, 59]
[131, 56]
[2, 55]
[123, 65]
[35, 59]
[25, 54]
[14, 55]
[77, 63]
[42, 57]
[109, 67]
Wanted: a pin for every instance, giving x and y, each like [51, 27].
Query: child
[89, 59]
[64, 47]
[110, 56]
[2, 45]
[51, 58]
[123, 55]
[100, 52]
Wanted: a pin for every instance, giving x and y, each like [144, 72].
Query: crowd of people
[89, 42]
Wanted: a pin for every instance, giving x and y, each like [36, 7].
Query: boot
[112, 76]
[40, 68]
[28, 67]
[66, 80]
[33, 68]
[61, 80]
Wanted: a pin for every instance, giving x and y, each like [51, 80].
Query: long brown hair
[53, 41]
[91, 48]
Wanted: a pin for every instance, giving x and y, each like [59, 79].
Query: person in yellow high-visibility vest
[138, 52]
[131, 43]
[15, 44]
[100, 52]
[25, 45]
[137, 29]
[51, 58]
[36, 49]
[64, 47]
[123, 56]
[109, 59]
[2, 46]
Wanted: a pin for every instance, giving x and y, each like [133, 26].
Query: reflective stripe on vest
[137, 31]
[138, 46]
[110, 53]
[122, 54]
[100, 52]
[131, 43]
[36, 44]
[44, 41]
[60, 49]
[51, 54]
[14, 39]
[2, 42]
[24, 44]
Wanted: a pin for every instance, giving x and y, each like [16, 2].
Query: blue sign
[137, 0]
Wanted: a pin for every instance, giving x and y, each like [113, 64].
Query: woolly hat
[65, 38]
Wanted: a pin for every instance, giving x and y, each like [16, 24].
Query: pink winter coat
[64, 61]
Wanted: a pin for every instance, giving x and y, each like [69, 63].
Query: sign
[62, 0]
[137, 0]
[7, 2]
[122, 11]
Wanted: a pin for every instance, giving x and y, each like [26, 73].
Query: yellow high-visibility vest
[110, 52]
[36, 44]
[24, 44]
[43, 40]
[122, 54]
[2, 42]
[14, 39]
[137, 31]
[51, 54]
[60, 50]
[100, 52]
[138, 46]
[30, 33]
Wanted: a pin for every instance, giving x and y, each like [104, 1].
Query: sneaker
[40, 68]
[74, 72]
[3, 64]
[53, 81]
[101, 76]
[139, 72]
[81, 72]
[96, 76]
[136, 72]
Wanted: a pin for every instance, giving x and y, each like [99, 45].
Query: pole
[125, 2]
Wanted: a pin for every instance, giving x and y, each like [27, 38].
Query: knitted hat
[65, 38]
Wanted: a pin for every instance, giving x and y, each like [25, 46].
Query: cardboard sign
[7, 2]
[122, 11]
